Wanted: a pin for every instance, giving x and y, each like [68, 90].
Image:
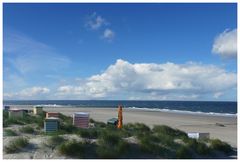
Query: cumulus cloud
[108, 34]
[95, 21]
[155, 81]
[28, 93]
[225, 44]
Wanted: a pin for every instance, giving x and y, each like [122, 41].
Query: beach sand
[185, 122]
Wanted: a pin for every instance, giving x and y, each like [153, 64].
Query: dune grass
[67, 128]
[91, 133]
[97, 123]
[5, 117]
[111, 145]
[163, 129]
[16, 145]
[66, 125]
[10, 121]
[198, 146]
[27, 129]
[158, 142]
[184, 152]
[65, 119]
[55, 141]
[77, 149]
[9, 132]
[135, 129]
[156, 145]
[27, 119]
[219, 145]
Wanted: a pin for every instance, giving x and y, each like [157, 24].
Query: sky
[156, 51]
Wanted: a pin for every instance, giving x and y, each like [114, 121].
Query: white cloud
[225, 44]
[33, 92]
[95, 21]
[66, 89]
[155, 81]
[108, 34]
[217, 94]
[143, 81]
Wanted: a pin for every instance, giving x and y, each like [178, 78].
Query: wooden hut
[16, 113]
[81, 119]
[51, 124]
[37, 110]
[198, 135]
[52, 114]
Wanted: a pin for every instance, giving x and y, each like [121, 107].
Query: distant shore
[224, 128]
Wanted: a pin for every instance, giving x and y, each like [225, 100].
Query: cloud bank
[29, 93]
[225, 44]
[143, 81]
[154, 81]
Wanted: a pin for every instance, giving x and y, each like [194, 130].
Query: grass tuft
[154, 145]
[183, 152]
[91, 133]
[16, 145]
[111, 145]
[73, 148]
[136, 129]
[9, 132]
[199, 147]
[55, 140]
[163, 129]
[27, 129]
[217, 144]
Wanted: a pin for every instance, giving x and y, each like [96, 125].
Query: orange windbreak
[120, 117]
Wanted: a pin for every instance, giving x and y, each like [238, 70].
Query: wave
[53, 105]
[186, 112]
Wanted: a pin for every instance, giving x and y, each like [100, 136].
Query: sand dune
[226, 129]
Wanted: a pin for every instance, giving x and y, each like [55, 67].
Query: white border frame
[110, 1]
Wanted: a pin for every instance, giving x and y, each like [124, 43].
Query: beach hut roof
[83, 114]
[51, 118]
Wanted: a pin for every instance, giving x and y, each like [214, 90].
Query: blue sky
[120, 51]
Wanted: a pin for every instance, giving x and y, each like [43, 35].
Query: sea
[215, 108]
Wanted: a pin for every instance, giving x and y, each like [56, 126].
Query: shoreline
[186, 112]
[222, 127]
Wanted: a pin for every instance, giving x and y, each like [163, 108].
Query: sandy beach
[225, 130]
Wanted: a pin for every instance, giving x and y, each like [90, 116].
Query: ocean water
[195, 107]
